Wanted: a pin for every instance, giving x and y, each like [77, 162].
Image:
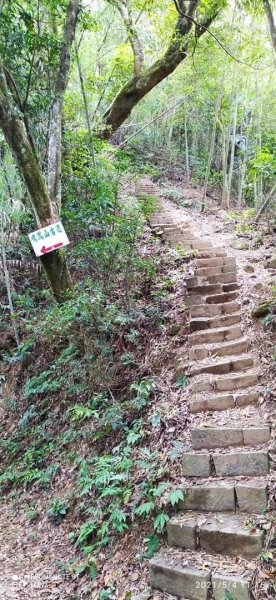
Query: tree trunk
[211, 150]
[88, 124]
[8, 282]
[225, 195]
[16, 137]
[137, 87]
[271, 23]
[138, 54]
[233, 145]
[266, 203]
[186, 151]
[54, 144]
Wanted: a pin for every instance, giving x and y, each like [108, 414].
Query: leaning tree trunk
[139, 86]
[13, 127]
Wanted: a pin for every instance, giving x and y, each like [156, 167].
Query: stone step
[230, 287]
[221, 334]
[179, 238]
[213, 271]
[224, 349]
[197, 280]
[198, 244]
[205, 290]
[225, 278]
[214, 310]
[168, 575]
[225, 384]
[251, 464]
[215, 253]
[166, 226]
[239, 496]
[216, 261]
[223, 401]
[225, 437]
[223, 533]
[221, 298]
[215, 289]
[215, 322]
[210, 497]
[237, 363]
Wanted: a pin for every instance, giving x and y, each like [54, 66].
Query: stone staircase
[225, 472]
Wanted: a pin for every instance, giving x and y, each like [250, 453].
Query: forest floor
[34, 552]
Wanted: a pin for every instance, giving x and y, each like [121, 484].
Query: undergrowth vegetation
[82, 391]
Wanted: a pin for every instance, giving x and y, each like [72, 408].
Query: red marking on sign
[44, 250]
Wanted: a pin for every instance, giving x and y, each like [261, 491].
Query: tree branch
[137, 87]
[132, 35]
[200, 26]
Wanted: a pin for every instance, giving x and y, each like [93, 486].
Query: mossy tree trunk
[13, 127]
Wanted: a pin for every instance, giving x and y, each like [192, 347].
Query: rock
[271, 263]
[261, 310]
[240, 245]
[249, 268]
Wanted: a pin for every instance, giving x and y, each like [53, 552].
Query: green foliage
[149, 205]
[58, 510]
[44, 383]
[181, 381]
[229, 596]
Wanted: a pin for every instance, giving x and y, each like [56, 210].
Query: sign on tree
[48, 239]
